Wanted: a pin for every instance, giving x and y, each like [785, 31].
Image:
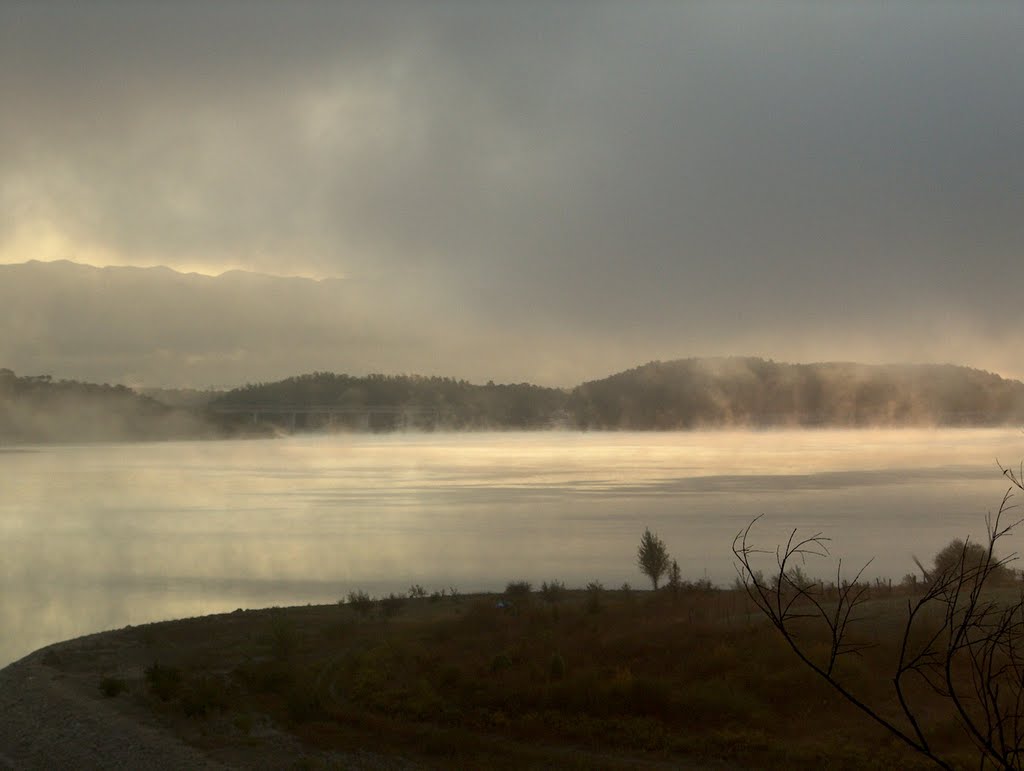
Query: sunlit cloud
[547, 193]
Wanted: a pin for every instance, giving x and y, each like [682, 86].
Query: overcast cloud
[585, 185]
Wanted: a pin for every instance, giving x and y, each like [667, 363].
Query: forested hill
[454, 404]
[683, 394]
[688, 393]
[40, 409]
[693, 393]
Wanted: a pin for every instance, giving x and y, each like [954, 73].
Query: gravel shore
[50, 719]
[53, 714]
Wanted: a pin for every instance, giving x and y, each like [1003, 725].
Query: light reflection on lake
[106, 535]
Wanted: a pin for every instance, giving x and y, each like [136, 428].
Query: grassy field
[586, 678]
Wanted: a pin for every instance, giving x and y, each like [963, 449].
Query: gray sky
[569, 188]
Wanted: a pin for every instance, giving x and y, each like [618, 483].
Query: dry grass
[687, 679]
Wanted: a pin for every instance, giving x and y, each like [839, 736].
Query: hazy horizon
[540, 192]
[115, 326]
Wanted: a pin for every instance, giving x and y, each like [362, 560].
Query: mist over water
[99, 536]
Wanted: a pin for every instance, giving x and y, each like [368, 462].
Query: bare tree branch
[961, 638]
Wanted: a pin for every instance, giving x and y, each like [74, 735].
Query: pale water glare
[101, 536]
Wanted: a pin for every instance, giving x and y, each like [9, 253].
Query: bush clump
[360, 601]
[282, 639]
[164, 682]
[390, 605]
[557, 667]
[552, 591]
[500, 662]
[204, 695]
[959, 555]
[519, 589]
[112, 686]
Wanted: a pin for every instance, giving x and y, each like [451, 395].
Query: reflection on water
[107, 535]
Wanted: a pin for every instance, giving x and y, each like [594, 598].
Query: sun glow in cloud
[538, 193]
[43, 242]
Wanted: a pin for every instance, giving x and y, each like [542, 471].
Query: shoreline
[51, 720]
[55, 715]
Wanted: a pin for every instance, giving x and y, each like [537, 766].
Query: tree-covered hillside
[40, 409]
[688, 393]
[455, 404]
[694, 393]
[683, 394]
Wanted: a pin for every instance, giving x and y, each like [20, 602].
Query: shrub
[793, 579]
[303, 704]
[595, 592]
[500, 662]
[361, 602]
[112, 686]
[553, 591]
[675, 579]
[417, 592]
[557, 667]
[704, 585]
[282, 639]
[649, 696]
[202, 696]
[164, 682]
[959, 555]
[519, 589]
[391, 604]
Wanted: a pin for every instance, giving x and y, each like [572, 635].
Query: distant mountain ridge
[160, 327]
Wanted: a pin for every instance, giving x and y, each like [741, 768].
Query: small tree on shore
[652, 557]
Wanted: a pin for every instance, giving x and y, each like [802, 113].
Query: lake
[101, 536]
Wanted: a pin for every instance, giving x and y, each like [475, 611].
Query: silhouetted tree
[652, 557]
[959, 553]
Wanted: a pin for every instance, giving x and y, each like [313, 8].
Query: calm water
[101, 536]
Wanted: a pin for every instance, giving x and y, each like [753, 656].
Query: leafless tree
[960, 639]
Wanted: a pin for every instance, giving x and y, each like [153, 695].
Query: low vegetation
[955, 655]
[693, 677]
[686, 675]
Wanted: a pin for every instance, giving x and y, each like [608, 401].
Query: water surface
[101, 536]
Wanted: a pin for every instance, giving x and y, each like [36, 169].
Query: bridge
[331, 416]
